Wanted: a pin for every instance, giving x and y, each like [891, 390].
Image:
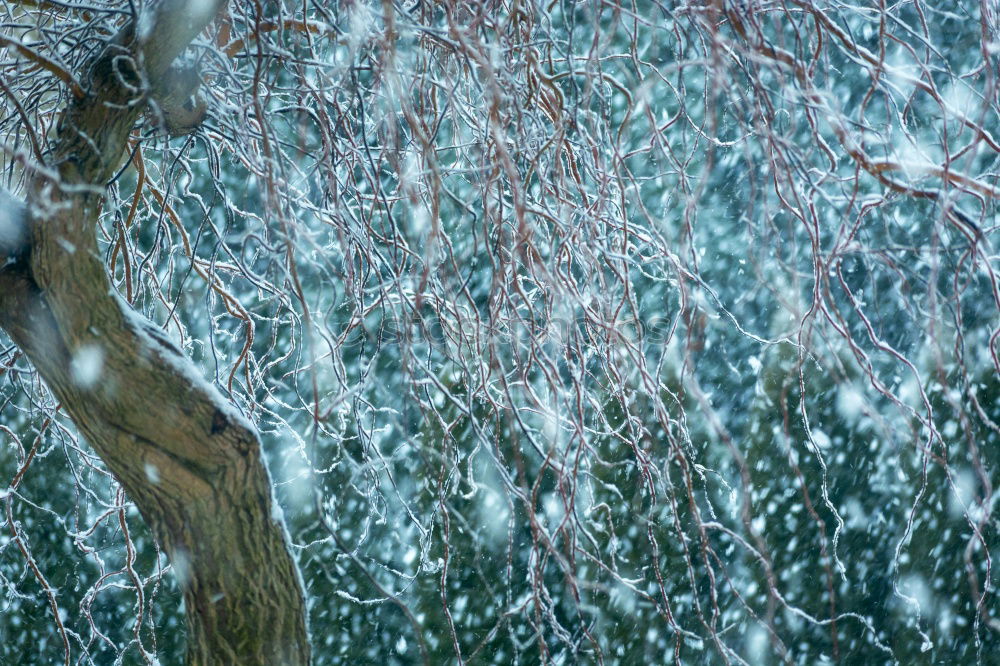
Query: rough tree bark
[189, 461]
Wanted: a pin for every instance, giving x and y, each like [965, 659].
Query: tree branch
[190, 462]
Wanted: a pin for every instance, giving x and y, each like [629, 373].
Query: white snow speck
[182, 567]
[821, 439]
[277, 513]
[432, 567]
[850, 403]
[87, 365]
[757, 644]
[555, 509]
[152, 473]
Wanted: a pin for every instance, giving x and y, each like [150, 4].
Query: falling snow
[573, 332]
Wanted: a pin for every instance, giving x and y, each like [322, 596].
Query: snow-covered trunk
[192, 466]
[190, 462]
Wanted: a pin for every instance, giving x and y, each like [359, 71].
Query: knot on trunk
[175, 105]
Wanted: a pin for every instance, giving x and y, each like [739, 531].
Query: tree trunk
[190, 462]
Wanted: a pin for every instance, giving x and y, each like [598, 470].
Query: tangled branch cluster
[576, 330]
